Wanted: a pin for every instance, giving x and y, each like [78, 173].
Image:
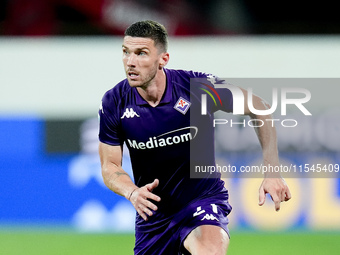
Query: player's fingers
[277, 206]
[142, 205]
[143, 195]
[143, 209]
[142, 214]
[150, 205]
[288, 195]
[154, 197]
[146, 210]
[262, 196]
[142, 198]
[283, 195]
[152, 185]
[277, 201]
[286, 192]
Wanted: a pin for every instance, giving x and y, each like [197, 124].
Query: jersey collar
[167, 96]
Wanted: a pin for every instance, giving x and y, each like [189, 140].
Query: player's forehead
[131, 42]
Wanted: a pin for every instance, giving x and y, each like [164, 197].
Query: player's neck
[153, 93]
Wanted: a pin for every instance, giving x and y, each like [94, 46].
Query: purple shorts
[170, 238]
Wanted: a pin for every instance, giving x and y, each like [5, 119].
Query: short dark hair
[150, 29]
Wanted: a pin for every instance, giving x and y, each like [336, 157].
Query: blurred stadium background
[58, 57]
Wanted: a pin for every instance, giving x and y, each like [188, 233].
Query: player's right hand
[140, 199]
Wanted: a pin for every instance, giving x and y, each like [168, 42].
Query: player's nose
[131, 61]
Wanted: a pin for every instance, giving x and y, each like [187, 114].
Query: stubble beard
[145, 83]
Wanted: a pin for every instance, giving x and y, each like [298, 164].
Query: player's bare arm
[273, 183]
[117, 180]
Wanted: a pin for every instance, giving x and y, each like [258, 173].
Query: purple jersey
[159, 140]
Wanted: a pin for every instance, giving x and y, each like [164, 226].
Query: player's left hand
[277, 189]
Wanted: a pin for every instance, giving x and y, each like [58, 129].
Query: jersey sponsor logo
[129, 113]
[166, 139]
[182, 105]
[209, 217]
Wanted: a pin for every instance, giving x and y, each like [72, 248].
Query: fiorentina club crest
[182, 105]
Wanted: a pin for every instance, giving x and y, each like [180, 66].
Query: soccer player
[150, 112]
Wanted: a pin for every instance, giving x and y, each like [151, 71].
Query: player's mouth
[133, 75]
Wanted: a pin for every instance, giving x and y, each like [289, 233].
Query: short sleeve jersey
[161, 139]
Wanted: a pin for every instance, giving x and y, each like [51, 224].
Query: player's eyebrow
[138, 49]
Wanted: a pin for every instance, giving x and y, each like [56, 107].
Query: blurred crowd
[181, 17]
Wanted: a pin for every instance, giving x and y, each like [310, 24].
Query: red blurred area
[40, 17]
[181, 17]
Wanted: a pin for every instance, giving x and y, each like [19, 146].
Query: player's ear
[164, 59]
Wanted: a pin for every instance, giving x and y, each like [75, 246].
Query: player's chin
[134, 83]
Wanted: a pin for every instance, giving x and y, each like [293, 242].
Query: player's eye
[142, 53]
[125, 52]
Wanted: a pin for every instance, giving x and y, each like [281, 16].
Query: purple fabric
[169, 239]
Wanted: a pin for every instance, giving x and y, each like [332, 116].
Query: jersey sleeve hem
[110, 142]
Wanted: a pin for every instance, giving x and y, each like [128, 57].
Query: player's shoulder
[117, 93]
[182, 78]
[179, 74]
